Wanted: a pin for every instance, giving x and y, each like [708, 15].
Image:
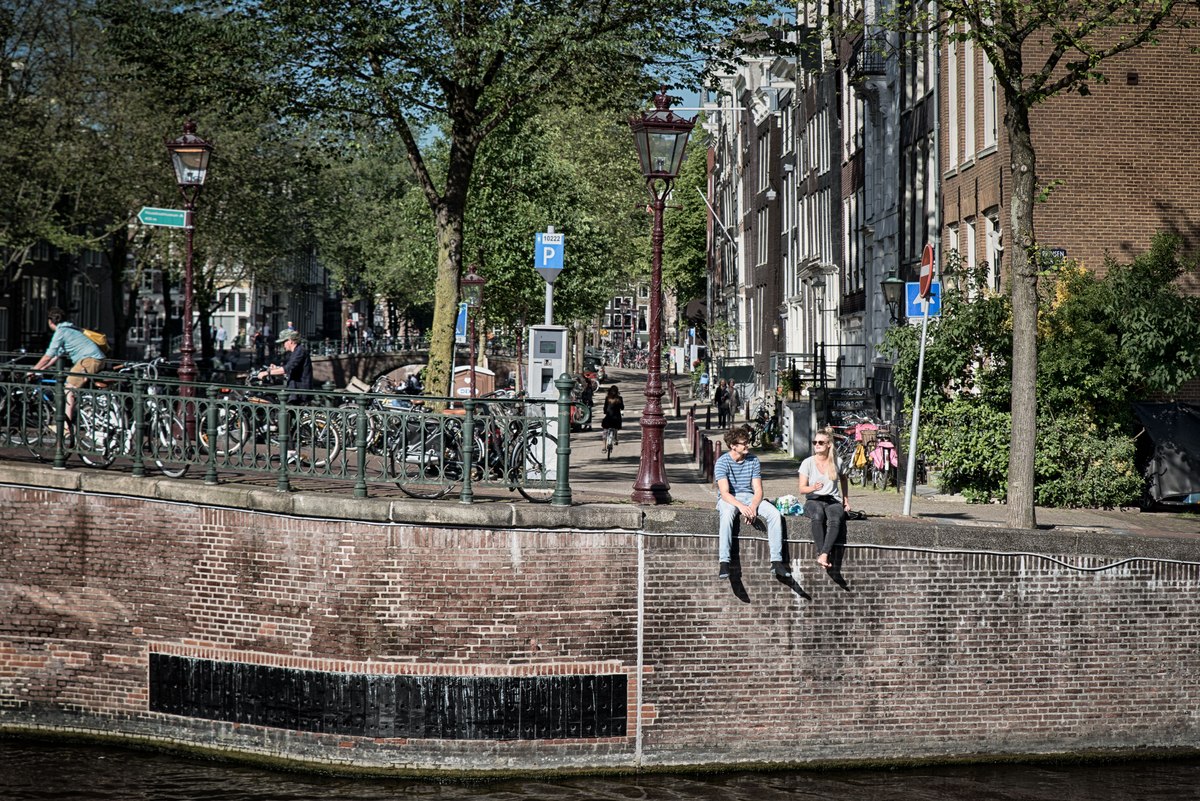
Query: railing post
[210, 427]
[360, 442]
[284, 431]
[562, 484]
[467, 495]
[139, 428]
[60, 415]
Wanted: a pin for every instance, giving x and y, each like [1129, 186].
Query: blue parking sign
[548, 254]
[913, 308]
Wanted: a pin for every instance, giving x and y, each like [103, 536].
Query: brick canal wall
[485, 644]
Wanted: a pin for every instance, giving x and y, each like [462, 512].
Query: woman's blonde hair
[827, 432]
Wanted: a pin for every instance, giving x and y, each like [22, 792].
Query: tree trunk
[1024, 277]
[445, 299]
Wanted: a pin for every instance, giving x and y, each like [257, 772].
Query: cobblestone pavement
[593, 478]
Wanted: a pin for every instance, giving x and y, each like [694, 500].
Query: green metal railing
[371, 439]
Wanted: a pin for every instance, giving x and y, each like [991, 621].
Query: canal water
[35, 772]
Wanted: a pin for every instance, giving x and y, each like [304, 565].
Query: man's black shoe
[781, 569]
[723, 571]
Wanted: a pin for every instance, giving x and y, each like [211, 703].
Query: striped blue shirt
[739, 474]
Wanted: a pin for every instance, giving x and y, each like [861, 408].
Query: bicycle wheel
[233, 431]
[99, 432]
[878, 477]
[534, 461]
[35, 427]
[168, 445]
[319, 441]
[420, 464]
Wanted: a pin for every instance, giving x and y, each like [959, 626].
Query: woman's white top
[828, 488]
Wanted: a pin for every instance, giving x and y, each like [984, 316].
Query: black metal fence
[427, 447]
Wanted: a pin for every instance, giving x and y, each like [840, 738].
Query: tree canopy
[468, 68]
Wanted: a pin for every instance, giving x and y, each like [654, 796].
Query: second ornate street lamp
[660, 137]
[471, 287]
[893, 294]
[189, 156]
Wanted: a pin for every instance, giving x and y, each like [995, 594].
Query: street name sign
[167, 218]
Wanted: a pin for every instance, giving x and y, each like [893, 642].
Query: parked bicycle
[249, 431]
[884, 461]
[427, 454]
[764, 427]
[107, 420]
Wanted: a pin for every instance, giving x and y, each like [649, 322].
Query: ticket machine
[547, 360]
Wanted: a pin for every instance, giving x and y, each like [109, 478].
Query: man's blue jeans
[766, 511]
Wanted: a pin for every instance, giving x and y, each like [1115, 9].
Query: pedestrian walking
[720, 396]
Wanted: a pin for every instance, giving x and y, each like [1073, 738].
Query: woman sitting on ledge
[822, 480]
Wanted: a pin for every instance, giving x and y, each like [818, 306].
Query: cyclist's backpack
[100, 338]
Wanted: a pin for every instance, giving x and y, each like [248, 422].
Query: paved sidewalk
[593, 478]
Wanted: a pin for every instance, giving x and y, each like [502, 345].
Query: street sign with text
[167, 218]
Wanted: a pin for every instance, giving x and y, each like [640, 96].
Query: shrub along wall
[459, 648]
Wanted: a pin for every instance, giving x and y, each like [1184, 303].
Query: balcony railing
[871, 54]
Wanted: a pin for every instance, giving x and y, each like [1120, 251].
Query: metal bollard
[562, 484]
[467, 495]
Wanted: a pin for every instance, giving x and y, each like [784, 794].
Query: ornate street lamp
[471, 288]
[893, 294]
[660, 137]
[189, 156]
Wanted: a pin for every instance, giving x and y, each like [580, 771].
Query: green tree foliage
[469, 67]
[685, 227]
[1104, 343]
[570, 167]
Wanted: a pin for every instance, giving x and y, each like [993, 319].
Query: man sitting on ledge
[739, 490]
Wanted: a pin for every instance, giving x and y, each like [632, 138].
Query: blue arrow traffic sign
[167, 218]
[913, 305]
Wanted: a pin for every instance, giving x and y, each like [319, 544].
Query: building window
[968, 99]
[970, 262]
[995, 248]
[761, 234]
[952, 103]
[989, 104]
[764, 160]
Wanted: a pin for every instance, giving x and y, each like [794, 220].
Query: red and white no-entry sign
[926, 281]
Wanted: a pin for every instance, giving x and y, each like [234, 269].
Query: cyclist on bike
[85, 355]
[614, 405]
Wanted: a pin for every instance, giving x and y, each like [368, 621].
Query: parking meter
[547, 359]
